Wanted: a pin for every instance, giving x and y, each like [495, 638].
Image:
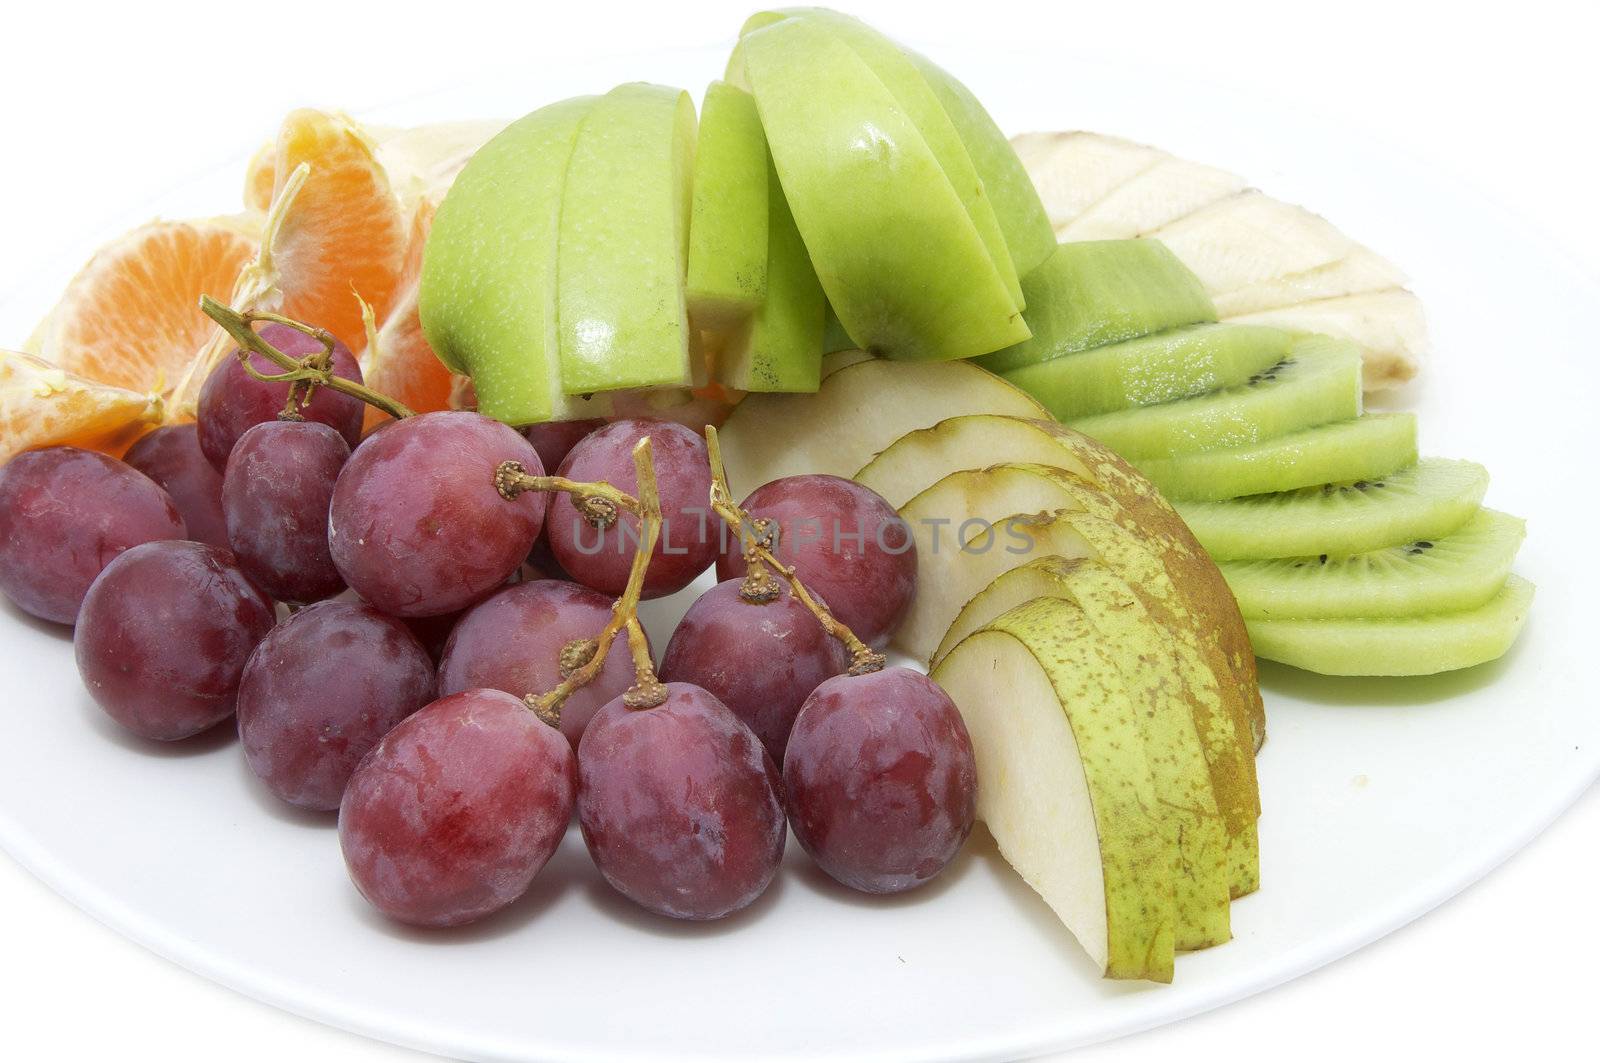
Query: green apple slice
[727, 275]
[1049, 715]
[1088, 294]
[780, 348]
[835, 338]
[1016, 201]
[906, 270]
[857, 411]
[1175, 364]
[488, 291]
[624, 243]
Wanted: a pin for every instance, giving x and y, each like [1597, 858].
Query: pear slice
[1066, 787]
[919, 459]
[1148, 662]
[625, 243]
[858, 411]
[727, 267]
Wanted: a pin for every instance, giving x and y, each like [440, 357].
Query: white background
[104, 107]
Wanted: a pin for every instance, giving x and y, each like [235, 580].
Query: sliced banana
[1388, 326]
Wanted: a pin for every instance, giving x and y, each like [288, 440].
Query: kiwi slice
[1317, 381]
[1417, 645]
[1096, 292]
[1366, 448]
[1174, 364]
[1427, 501]
[1460, 571]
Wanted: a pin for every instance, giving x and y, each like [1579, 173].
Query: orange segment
[398, 361]
[130, 318]
[343, 235]
[42, 405]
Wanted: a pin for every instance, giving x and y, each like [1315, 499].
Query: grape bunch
[365, 613]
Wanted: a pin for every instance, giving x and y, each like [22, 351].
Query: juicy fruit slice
[1367, 448]
[397, 361]
[1388, 325]
[624, 243]
[41, 405]
[488, 296]
[1090, 294]
[1252, 239]
[727, 272]
[1016, 202]
[1358, 271]
[1416, 645]
[1458, 572]
[1318, 381]
[130, 318]
[1427, 501]
[904, 267]
[1048, 712]
[780, 348]
[1175, 364]
[858, 411]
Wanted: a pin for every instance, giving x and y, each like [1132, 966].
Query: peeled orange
[398, 361]
[42, 405]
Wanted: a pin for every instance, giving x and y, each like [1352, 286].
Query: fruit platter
[782, 557]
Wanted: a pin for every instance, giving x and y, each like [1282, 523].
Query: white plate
[1382, 798]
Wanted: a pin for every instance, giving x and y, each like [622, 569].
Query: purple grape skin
[164, 635]
[512, 641]
[449, 817]
[691, 533]
[417, 527]
[275, 498]
[320, 691]
[680, 805]
[232, 401]
[760, 660]
[881, 780]
[554, 440]
[65, 513]
[869, 585]
[171, 456]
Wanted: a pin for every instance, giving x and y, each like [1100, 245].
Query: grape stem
[647, 691]
[598, 503]
[759, 536]
[306, 374]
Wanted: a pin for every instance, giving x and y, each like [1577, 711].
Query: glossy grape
[432, 632]
[417, 527]
[320, 691]
[64, 514]
[554, 440]
[171, 456]
[275, 497]
[513, 641]
[454, 812]
[232, 401]
[164, 635]
[690, 531]
[680, 805]
[760, 660]
[881, 779]
[845, 542]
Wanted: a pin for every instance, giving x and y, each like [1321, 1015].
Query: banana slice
[1261, 260]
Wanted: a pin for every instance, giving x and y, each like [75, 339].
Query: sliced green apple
[903, 265]
[624, 243]
[727, 272]
[488, 293]
[1068, 792]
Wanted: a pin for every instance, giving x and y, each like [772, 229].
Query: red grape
[454, 812]
[232, 401]
[275, 496]
[164, 634]
[513, 641]
[171, 457]
[881, 779]
[680, 805]
[760, 659]
[320, 691]
[417, 526]
[845, 542]
[64, 514]
[690, 533]
[432, 632]
[555, 439]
